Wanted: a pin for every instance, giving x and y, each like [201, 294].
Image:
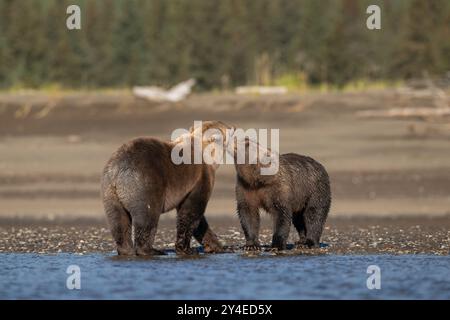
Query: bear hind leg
[314, 218]
[119, 221]
[206, 237]
[298, 220]
[145, 218]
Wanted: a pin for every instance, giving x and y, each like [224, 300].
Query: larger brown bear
[140, 182]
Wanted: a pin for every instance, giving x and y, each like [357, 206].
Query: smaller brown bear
[298, 193]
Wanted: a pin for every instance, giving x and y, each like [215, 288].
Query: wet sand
[390, 178]
[53, 148]
[413, 235]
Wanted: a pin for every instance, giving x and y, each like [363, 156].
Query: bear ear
[268, 154]
[215, 138]
[274, 157]
[229, 134]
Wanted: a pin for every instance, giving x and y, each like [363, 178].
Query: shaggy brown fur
[140, 182]
[299, 193]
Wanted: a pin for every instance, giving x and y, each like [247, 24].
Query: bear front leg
[250, 222]
[186, 223]
[189, 216]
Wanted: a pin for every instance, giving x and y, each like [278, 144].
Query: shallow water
[225, 276]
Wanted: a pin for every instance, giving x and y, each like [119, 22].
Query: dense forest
[221, 43]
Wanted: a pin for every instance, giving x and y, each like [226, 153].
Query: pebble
[341, 237]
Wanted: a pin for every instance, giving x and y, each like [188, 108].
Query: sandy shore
[53, 149]
[414, 235]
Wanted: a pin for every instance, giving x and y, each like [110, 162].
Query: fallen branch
[405, 113]
[175, 94]
[262, 90]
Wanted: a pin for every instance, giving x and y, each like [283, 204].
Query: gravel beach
[411, 235]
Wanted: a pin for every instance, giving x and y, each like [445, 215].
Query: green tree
[67, 57]
[426, 39]
[128, 44]
[98, 31]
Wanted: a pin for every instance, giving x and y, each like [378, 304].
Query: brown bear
[298, 193]
[140, 181]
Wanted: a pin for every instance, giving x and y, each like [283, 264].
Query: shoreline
[361, 235]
